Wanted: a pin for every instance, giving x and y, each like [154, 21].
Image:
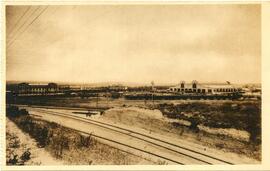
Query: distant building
[26, 88]
[195, 87]
[117, 87]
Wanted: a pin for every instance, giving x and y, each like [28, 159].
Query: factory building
[26, 88]
[195, 87]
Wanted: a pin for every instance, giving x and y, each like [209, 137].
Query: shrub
[25, 156]
[85, 141]
[14, 111]
[59, 143]
[14, 141]
[194, 122]
[253, 123]
[13, 160]
[41, 135]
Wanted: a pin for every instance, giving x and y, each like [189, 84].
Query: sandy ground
[118, 117]
[113, 116]
[38, 155]
[133, 114]
[123, 139]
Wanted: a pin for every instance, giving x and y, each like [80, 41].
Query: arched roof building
[196, 87]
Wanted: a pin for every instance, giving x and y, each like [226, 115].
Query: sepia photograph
[133, 84]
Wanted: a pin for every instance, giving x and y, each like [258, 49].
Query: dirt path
[38, 156]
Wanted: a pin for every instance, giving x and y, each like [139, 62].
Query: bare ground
[152, 122]
[227, 140]
[18, 143]
[97, 153]
[221, 139]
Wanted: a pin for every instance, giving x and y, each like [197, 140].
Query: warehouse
[26, 88]
[195, 87]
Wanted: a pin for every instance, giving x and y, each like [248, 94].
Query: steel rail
[130, 131]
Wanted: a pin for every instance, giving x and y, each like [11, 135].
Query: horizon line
[126, 82]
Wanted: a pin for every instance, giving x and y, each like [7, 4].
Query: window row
[205, 90]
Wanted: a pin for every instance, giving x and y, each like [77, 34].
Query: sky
[134, 43]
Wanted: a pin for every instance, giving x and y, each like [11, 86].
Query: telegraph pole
[152, 83]
[97, 101]
[107, 94]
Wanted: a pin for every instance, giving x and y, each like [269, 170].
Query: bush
[14, 111]
[41, 135]
[194, 122]
[14, 141]
[242, 116]
[59, 142]
[85, 141]
[253, 123]
[25, 156]
[13, 160]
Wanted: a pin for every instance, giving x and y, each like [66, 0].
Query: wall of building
[26, 88]
[194, 87]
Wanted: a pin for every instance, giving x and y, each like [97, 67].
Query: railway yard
[202, 125]
[159, 132]
[140, 84]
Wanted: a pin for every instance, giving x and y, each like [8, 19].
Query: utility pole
[97, 101]
[107, 94]
[152, 83]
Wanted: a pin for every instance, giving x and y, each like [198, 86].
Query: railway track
[194, 155]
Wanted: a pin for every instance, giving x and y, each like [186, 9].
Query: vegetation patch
[241, 116]
[17, 153]
[227, 116]
[68, 145]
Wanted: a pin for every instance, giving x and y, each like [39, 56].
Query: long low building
[34, 89]
[195, 87]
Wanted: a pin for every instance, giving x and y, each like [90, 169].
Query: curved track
[175, 148]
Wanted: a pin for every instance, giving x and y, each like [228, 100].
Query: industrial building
[195, 87]
[35, 89]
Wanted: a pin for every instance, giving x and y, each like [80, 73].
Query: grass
[244, 116]
[16, 153]
[241, 116]
[70, 146]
